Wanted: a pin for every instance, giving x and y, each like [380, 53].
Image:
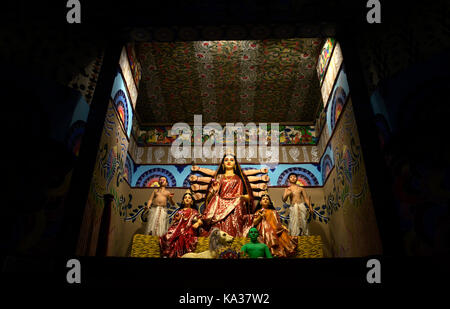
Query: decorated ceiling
[272, 80]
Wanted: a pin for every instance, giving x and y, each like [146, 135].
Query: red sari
[226, 210]
[181, 237]
[275, 236]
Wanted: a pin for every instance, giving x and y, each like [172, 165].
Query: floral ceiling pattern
[272, 80]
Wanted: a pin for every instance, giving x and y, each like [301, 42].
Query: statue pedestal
[147, 246]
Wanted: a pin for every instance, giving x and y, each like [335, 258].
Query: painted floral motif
[268, 79]
[349, 183]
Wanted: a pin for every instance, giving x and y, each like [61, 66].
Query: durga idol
[229, 199]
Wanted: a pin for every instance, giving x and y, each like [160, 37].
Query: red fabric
[181, 237]
[226, 210]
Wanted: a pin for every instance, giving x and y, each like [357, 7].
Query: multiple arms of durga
[200, 183]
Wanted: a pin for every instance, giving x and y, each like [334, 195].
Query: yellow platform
[148, 246]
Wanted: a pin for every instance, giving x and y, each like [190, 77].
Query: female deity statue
[181, 237]
[272, 232]
[229, 196]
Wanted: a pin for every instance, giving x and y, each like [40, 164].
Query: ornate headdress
[229, 152]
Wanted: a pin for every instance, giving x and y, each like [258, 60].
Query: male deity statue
[158, 221]
[300, 204]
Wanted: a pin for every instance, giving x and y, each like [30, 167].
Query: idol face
[229, 162]
[293, 178]
[253, 234]
[265, 201]
[162, 181]
[187, 200]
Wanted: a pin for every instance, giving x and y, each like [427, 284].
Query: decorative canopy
[272, 80]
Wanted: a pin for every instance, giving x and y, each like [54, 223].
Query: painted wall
[108, 178]
[122, 101]
[324, 58]
[110, 172]
[353, 227]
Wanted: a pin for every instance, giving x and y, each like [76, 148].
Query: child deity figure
[158, 220]
[181, 238]
[300, 204]
[272, 232]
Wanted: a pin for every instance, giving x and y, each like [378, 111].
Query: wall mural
[286, 154]
[331, 73]
[347, 190]
[326, 163]
[150, 177]
[324, 58]
[337, 104]
[108, 158]
[289, 135]
[107, 177]
[122, 102]
[348, 162]
[355, 233]
[177, 174]
[128, 77]
[337, 99]
[128, 169]
[329, 116]
[306, 177]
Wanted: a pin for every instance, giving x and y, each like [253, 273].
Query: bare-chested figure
[300, 203]
[158, 221]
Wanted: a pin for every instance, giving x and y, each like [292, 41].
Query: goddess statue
[181, 237]
[229, 197]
